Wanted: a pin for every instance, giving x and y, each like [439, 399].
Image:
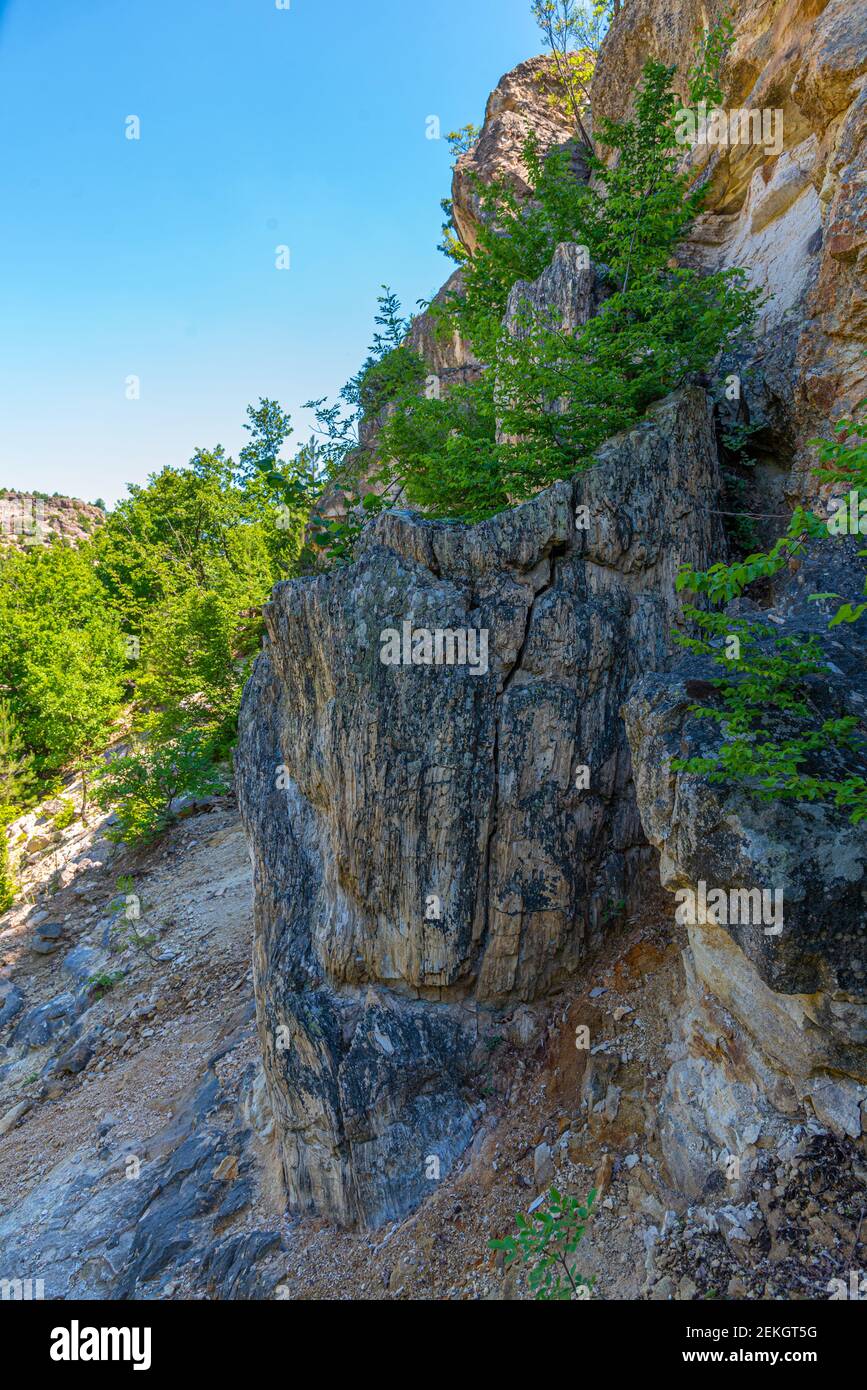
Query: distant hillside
[32, 518]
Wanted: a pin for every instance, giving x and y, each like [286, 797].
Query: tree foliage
[153, 621]
[550, 395]
[61, 653]
[544, 1243]
[572, 31]
[144, 784]
[776, 740]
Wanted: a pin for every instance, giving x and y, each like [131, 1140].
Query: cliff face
[518, 105]
[774, 1017]
[792, 212]
[438, 845]
[426, 847]
[770, 1025]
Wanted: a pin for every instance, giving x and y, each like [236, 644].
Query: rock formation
[448, 357]
[455, 770]
[794, 217]
[774, 1016]
[519, 104]
[27, 520]
[435, 845]
[373, 792]
[769, 1023]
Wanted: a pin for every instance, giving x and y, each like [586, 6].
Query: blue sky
[155, 257]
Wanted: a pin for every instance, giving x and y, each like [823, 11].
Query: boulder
[47, 938]
[83, 962]
[11, 1002]
[39, 1025]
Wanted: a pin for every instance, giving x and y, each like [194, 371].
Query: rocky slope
[125, 1036]
[138, 1155]
[27, 520]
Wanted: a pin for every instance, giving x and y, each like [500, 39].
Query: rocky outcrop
[519, 104]
[772, 1026]
[434, 842]
[792, 213]
[439, 839]
[450, 359]
[27, 520]
[775, 1015]
[565, 296]
[643, 30]
[450, 362]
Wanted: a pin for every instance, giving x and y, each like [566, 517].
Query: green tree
[7, 879]
[160, 610]
[188, 562]
[462, 141]
[572, 31]
[342, 450]
[61, 654]
[269, 427]
[550, 397]
[443, 452]
[17, 778]
[776, 739]
[705, 74]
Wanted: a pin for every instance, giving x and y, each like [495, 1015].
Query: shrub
[544, 1242]
[142, 785]
[100, 985]
[7, 881]
[65, 815]
[17, 778]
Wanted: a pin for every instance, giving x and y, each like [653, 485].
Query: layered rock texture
[770, 1025]
[426, 843]
[448, 356]
[792, 211]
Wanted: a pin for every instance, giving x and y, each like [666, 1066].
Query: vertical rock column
[434, 842]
